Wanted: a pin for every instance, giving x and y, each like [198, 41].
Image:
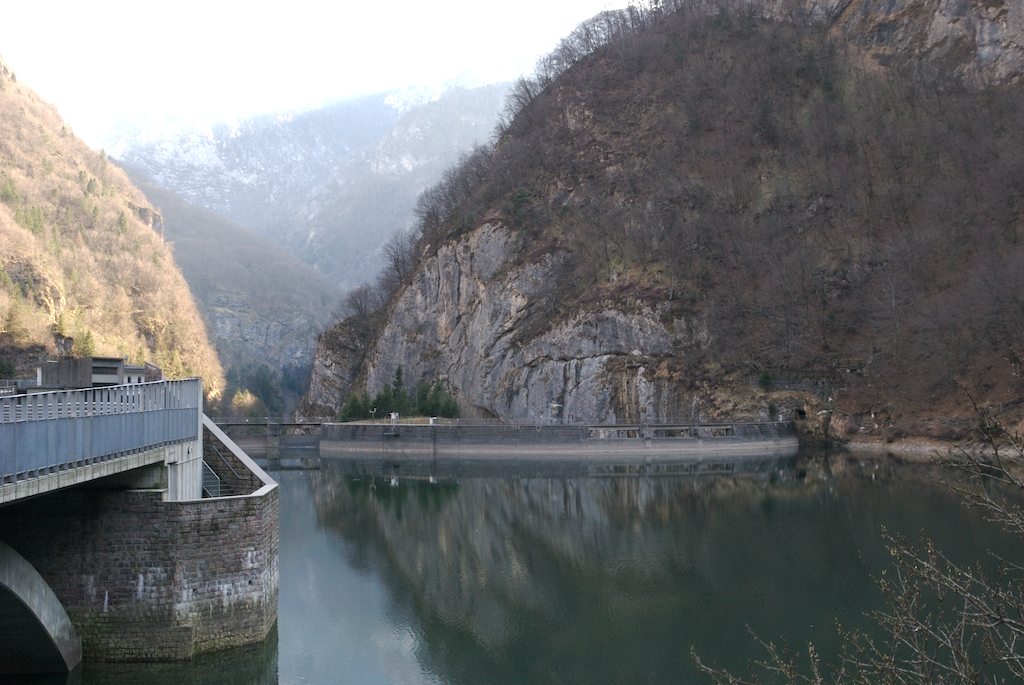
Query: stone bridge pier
[121, 557]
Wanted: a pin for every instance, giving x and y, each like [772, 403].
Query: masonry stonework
[145, 579]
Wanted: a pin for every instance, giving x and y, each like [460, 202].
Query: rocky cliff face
[479, 319]
[981, 42]
[261, 304]
[245, 333]
[467, 318]
[336, 362]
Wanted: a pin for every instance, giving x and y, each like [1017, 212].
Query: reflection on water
[549, 580]
[252, 665]
[410, 573]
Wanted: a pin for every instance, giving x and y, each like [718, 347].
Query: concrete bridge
[109, 549]
[53, 440]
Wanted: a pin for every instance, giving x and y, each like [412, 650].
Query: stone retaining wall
[143, 579]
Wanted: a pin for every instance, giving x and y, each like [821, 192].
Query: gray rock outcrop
[468, 317]
[981, 42]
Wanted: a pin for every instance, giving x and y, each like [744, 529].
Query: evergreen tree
[423, 406]
[85, 345]
[442, 402]
[356, 407]
[399, 397]
[384, 401]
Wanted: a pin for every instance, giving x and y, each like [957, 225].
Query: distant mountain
[81, 255]
[263, 306]
[259, 172]
[352, 215]
[330, 185]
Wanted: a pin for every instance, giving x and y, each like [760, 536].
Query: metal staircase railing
[211, 482]
[224, 488]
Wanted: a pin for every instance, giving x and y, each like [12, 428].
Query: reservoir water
[537, 573]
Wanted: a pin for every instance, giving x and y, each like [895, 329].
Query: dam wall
[622, 441]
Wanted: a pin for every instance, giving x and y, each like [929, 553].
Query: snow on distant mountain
[330, 185]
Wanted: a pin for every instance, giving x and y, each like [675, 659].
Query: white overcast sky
[107, 61]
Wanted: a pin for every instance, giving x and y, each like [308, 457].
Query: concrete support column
[184, 471]
[185, 462]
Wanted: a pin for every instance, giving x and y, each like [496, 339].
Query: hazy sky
[108, 60]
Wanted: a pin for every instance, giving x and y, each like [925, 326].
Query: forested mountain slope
[79, 255]
[767, 208]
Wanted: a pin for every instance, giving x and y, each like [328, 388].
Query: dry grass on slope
[78, 253]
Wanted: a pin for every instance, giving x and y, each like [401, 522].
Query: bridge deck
[57, 439]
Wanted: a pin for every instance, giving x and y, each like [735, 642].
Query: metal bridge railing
[49, 431]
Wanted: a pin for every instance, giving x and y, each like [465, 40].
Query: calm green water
[551, 577]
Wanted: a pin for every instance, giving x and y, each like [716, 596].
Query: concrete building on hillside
[94, 372]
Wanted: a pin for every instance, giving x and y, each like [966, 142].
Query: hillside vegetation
[817, 213]
[789, 198]
[79, 255]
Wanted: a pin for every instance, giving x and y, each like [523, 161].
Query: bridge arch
[36, 635]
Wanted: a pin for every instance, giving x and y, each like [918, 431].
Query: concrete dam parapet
[621, 441]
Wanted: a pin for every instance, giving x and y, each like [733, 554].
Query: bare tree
[361, 303]
[400, 260]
